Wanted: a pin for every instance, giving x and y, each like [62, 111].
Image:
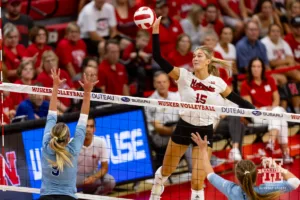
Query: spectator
[35, 107]
[94, 151]
[90, 69]
[182, 55]
[112, 74]
[23, 22]
[211, 19]
[9, 111]
[124, 10]
[279, 52]
[293, 39]
[71, 51]
[234, 15]
[97, 22]
[192, 25]
[266, 16]
[162, 123]
[226, 48]
[231, 126]
[138, 60]
[169, 28]
[14, 52]
[250, 47]
[185, 6]
[50, 61]
[261, 91]
[39, 38]
[293, 10]
[26, 73]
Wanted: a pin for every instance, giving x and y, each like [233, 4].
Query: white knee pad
[159, 178]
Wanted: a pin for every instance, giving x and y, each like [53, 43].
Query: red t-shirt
[261, 95]
[295, 46]
[17, 98]
[7, 106]
[218, 25]
[33, 49]
[167, 36]
[127, 25]
[69, 52]
[235, 6]
[12, 60]
[178, 60]
[47, 81]
[113, 81]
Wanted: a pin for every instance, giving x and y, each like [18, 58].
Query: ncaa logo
[256, 113]
[125, 99]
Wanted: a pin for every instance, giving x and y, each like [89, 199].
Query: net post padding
[37, 191]
[147, 102]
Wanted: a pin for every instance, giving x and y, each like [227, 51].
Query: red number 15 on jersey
[201, 98]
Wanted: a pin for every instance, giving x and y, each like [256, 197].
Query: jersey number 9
[201, 98]
[55, 171]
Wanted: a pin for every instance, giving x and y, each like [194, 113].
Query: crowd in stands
[257, 37]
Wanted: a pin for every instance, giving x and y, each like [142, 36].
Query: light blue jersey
[233, 191]
[55, 182]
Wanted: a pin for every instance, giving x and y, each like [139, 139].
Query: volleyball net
[135, 132]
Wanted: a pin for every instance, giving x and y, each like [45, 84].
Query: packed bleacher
[261, 39]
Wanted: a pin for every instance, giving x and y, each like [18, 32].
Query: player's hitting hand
[198, 140]
[155, 27]
[87, 85]
[56, 77]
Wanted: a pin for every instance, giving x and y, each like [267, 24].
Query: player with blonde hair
[59, 157]
[202, 86]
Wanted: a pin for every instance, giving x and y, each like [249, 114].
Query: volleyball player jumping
[246, 173]
[201, 87]
[59, 157]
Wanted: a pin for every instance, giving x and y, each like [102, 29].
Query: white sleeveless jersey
[206, 92]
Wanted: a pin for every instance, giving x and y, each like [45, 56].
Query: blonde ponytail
[214, 62]
[246, 174]
[60, 134]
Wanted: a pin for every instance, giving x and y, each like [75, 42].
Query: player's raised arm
[172, 71]
[76, 144]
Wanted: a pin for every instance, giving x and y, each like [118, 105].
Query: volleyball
[144, 17]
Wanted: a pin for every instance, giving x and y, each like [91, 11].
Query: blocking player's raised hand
[87, 85]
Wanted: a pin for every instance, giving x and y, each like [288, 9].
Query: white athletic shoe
[156, 192]
[234, 155]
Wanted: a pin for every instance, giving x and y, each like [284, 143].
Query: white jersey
[194, 90]
[90, 156]
[91, 19]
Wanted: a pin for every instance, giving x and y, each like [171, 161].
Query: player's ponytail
[246, 174]
[214, 62]
[60, 134]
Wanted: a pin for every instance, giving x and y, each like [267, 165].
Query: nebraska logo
[271, 170]
[200, 86]
[10, 170]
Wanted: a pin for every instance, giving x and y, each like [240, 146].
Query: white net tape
[126, 100]
[220, 110]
